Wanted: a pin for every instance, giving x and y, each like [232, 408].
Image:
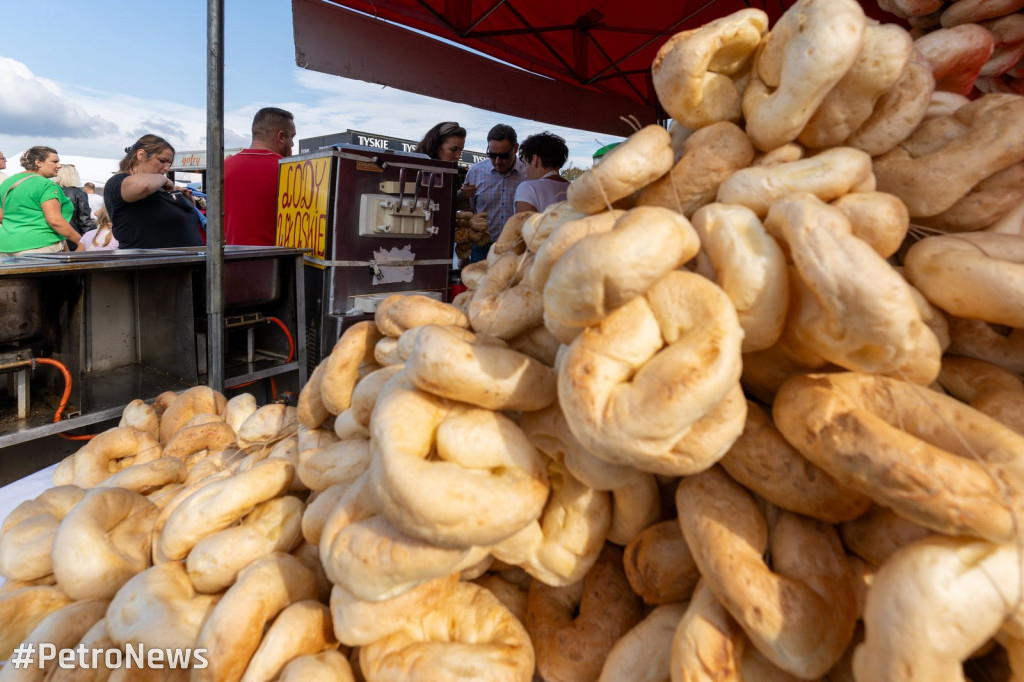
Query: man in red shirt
[250, 180]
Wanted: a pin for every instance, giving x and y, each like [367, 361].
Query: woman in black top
[147, 210]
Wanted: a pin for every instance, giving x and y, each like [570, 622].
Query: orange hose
[291, 341]
[291, 354]
[64, 398]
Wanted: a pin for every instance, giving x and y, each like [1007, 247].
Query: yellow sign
[302, 199]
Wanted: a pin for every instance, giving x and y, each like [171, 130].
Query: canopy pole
[215, 194]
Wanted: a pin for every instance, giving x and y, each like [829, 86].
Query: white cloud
[86, 122]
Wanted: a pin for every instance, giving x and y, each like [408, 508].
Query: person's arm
[141, 185]
[524, 207]
[55, 219]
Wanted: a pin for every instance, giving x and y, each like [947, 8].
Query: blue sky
[99, 74]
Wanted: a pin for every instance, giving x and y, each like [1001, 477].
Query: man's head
[502, 147]
[3, 161]
[90, 188]
[274, 129]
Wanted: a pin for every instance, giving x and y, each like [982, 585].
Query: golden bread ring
[643, 157]
[805, 626]
[644, 653]
[61, 629]
[159, 608]
[400, 312]
[978, 339]
[945, 157]
[385, 352]
[659, 565]
[142, 417]
[851, 307]
[539, 226]
[563, 238]
[879, 534]
[602, 272]
[827, 175]
[987, 388]
[267, 425]
[800, 60]
[472, 632]
[187, 404]
[921, 453]
[878, 218]
[984, 205]
[488, 376]
[562, 545]
[549, 432]
[102, 542]
[511, 236]
[272, 526]
[22, 609]
[975, 11]
[883, 57]
[933, 604]
[220, 504]
[488, 480]
[364, 396]
[511, 595]
[633, 386]
[311, 410]
[327, 666]
[976, 275]
[764, 462]
[371, 559]
[695, 72]
[358, 622]
[235, 626]
[708, 643]
[635, 506]
[340, 462]
[537, 343]
[302, 628]
[26, 536]
[898, 111]
[352, 350]
[111, 451]
[148, 477]
[574, 627]
[202, 432]
[473, 273]
[238, 409]
[505, 304]
[750, 267]
[710, 155]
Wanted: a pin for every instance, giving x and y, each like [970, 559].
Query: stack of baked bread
[746, 406]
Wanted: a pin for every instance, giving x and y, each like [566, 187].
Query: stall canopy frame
[577, 63]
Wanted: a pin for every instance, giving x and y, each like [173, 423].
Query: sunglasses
[499, 155]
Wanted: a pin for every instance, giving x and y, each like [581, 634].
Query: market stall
[745, 406]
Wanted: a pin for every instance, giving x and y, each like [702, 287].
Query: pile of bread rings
[971, 44]
[745, 407]
[470, 229]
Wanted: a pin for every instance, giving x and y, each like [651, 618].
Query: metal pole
[215, 195]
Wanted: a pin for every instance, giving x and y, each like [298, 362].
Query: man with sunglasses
[491, 184]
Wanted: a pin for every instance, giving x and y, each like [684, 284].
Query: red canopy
[578, 63]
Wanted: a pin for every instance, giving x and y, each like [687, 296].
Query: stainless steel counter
[131, 324]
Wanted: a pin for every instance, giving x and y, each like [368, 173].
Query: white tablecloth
[13, 494]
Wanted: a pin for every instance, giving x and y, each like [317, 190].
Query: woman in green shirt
[34, 212]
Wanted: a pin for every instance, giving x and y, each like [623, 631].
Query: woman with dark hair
[146, 209]
[544, 155]
[34, 212]
[444, 142]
